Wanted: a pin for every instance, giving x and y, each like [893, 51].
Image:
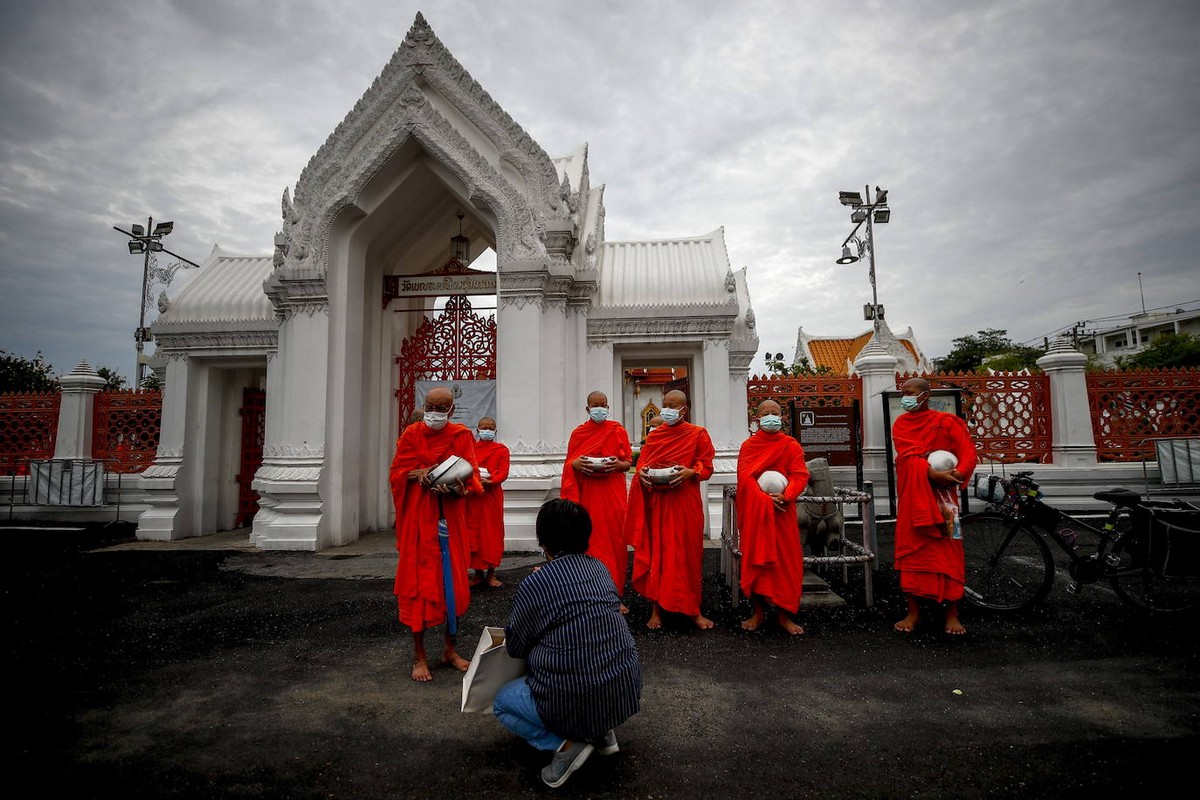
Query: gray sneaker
[565, 762]
[606, 745]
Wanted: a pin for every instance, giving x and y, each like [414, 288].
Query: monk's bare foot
[624, 608]
[455, 660]
[420, 672]
[907, 624]
[655, 621]
[954, 626]
[753, 623]
[494, 583]
[702, 622]
[789, 626]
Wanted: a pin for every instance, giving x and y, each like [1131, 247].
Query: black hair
[563, 527]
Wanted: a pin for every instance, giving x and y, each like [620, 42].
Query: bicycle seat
[1119, 497]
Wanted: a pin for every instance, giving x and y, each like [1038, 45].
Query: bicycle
[1149, 551]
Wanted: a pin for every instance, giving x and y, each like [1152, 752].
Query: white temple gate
[377, 203]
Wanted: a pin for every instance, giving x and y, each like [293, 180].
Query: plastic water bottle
[957, 531]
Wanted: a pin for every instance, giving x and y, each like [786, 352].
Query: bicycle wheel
[1008, 566]
[1139, 586]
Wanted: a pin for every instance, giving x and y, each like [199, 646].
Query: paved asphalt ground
[155, 670]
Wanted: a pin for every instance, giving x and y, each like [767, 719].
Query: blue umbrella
[447, 570]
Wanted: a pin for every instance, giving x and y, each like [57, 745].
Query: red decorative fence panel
[125, 429]
[28, 429]
[1008, 413]
[811, 392]
[456, 345]
[1130, 407]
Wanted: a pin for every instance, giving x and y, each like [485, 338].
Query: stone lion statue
[821, 524]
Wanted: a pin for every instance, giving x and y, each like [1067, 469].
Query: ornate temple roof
[227, 289]
[667, 273]
[838, 352]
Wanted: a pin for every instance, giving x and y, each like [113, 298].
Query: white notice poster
[473, 400]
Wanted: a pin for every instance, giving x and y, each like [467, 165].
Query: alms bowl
[772, 482]
[942, 460]
[662, 475]
[451, 470]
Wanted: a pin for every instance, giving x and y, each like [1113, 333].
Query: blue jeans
[515, 709]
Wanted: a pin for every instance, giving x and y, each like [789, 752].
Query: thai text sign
[444, 285]
[827, 432]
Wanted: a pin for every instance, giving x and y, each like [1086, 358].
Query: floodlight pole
[139, 336]
[147, 242]
[869, 207]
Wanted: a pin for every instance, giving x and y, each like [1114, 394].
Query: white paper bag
[491, 668]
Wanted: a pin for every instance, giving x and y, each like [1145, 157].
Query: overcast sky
[1038, 155]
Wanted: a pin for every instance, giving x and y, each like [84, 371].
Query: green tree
[1167, 350]
[115, 380]
[20, 374]
[152, 382]
[990, 347]
[801, 369]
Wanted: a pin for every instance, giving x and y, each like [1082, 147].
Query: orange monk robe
[665, 524]
[772, 556]
[930, 562]
[603, 495]
[419, 588]
[485, 511]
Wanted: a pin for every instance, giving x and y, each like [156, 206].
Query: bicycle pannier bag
[1174, 550]
[989, 488]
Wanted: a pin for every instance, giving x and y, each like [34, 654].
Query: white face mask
[671, 416]
[771, 423]
[911, 402]
[598, 413]
[436, 420]
[486, 435]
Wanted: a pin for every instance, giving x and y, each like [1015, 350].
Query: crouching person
[583, 677]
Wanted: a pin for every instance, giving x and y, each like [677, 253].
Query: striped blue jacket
[581, 661]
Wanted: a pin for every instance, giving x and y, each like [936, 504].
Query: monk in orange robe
[665, 522]
[772, 569]
[485, 511]
[601, 488]
[419, 586]
[928, 554]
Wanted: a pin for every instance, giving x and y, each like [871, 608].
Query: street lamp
[869, 213]
[146, 242]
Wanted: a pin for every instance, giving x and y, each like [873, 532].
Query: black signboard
[829, 432]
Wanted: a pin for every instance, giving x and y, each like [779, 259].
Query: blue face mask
[486, 435]
[598, 413]
[910, 402]
[771, 423]
[671, 415]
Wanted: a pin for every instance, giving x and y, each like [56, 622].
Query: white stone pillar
[1072, 440]
[288, 482]
[877, 368]
[169, 508]
[75, 412]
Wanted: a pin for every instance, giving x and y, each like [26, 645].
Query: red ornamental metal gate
[455, 345]
[254, 416]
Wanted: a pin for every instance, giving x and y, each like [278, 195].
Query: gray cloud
[1038, 154]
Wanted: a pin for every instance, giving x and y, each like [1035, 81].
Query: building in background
[1107, 344]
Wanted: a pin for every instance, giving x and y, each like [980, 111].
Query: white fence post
[79, 389]
[877, 368]
[1072, 441]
